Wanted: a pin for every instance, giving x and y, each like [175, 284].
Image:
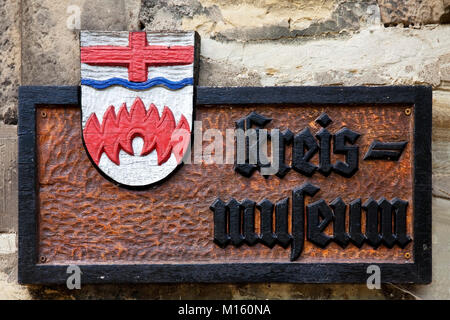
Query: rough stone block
[440, 286]
[50, 38]
[441, 144]
[8, 178]
[414, 12]
[254, 20]
[7, 243]
[9, 60]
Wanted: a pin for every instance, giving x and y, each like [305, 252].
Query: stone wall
[244, 43]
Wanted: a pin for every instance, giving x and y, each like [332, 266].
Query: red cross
[137, 56]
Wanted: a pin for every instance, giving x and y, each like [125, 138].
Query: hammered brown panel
[84, 218]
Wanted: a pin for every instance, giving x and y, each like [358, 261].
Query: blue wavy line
[103, 84]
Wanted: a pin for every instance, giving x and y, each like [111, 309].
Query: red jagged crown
[118, 132]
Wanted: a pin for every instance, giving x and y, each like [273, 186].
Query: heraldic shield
[137, 96]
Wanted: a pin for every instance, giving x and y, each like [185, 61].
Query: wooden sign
[345, 184]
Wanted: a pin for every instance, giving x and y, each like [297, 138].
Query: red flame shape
[118, 132]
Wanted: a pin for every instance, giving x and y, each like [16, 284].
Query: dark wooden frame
[31, 272]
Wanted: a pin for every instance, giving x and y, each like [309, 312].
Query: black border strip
[30, 272]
